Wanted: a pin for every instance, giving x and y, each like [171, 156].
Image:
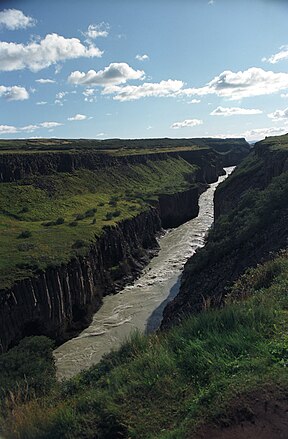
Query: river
[139, 306]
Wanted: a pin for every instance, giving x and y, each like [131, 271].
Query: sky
[143, 69]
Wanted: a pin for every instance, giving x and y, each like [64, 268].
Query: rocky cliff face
[210, 164]
[61, 300]
[178, 208]
[255, 204]
[16, 166]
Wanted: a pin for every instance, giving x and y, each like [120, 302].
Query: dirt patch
[255, 416]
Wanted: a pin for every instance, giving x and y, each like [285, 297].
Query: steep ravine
[139, 305]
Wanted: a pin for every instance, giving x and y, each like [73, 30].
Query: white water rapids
[139, 306]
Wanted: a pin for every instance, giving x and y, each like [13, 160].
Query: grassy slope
[276, 142]
[168, 384]
[27, 205]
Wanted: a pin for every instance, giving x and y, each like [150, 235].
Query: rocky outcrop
[176, 209]
[61, 300]
[209, 163]
[254, 199]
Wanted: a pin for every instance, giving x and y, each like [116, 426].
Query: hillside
[251, 211]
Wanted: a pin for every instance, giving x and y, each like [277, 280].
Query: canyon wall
[176, 209]
[251, 223]
[61, 300]
[18, 165]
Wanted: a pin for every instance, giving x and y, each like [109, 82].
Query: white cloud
[279, 56]
[50, 124]
[89, 95]
[41, 103]
[142, 57]
[211, 2]
[279, 115]
[233, 111]
[14, 93]
[194, 101]
[78, 117]
[89, 92]
[38, 55]
[9, 129]
[29, 128]
[235, 86]
[61, 94]
[97, 30]
[230, 85]
[284, 95]
[148, 89]
[59, 97]
[187, 123]
[100, 134]
[14, 19]
[115, 73]
[45, 81]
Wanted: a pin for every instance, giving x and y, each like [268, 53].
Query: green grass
[166, 385]
[276, 142]
[59, 209]
[250, 165]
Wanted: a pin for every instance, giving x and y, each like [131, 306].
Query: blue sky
[127, 69]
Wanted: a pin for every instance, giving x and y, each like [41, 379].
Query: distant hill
[221, 145]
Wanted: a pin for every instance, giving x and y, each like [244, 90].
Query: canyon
[60, 300]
